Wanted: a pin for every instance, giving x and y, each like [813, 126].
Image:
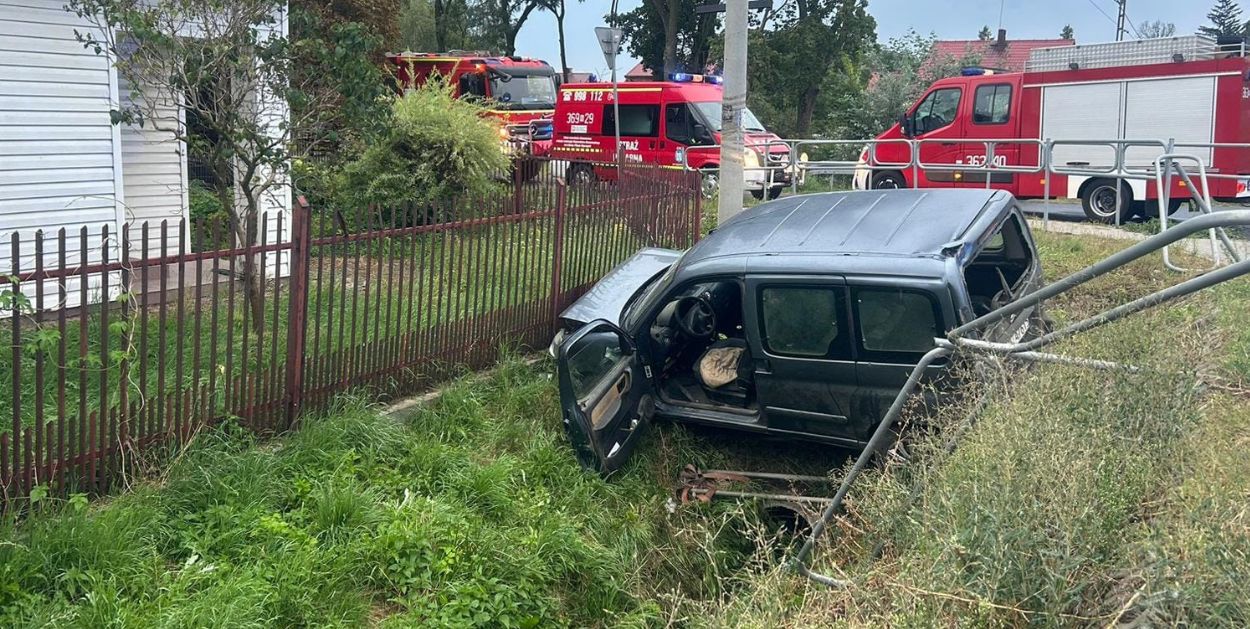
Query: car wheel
[710, 184]
[580, 174]
[1099, 201]
[888, 180]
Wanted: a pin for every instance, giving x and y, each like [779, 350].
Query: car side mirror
[907, 125]
[701, 134]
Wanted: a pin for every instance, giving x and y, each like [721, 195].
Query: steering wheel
[695, 317]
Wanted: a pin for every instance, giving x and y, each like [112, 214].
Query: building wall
[154, 168]
[60, 158]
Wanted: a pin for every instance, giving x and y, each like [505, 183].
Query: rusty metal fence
[124, 345]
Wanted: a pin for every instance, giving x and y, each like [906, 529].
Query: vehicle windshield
[658, 284]
[523, 91]
[710, 113]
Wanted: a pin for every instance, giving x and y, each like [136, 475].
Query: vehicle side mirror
[907, 125]
[702, 135]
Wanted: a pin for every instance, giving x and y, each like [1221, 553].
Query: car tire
[888, 180]
[1098, 201]
[580, 174]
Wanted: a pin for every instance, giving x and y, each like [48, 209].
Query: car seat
[725, 371]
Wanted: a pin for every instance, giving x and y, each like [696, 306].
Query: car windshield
[524, 91]
[710, 113]
[658, 284]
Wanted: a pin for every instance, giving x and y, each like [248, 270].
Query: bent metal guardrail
[959, 340]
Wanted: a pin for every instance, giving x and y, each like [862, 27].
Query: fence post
[297, 313]
[697, 223]
[557, 263]
[518, 200]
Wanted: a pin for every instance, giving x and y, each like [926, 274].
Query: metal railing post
[297, 311]
[557, 253]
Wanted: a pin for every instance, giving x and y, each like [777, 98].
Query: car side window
[677, 123]
[636, 120]
[896, 325]
[937, 110]
[992, 104]
[804, 321]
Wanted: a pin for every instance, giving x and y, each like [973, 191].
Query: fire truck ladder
[962, 339]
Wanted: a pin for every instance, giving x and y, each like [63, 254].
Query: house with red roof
[999, 54]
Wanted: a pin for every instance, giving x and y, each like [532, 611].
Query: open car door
[605, 395]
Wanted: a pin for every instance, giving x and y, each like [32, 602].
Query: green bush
[437, 149]
[204, 203]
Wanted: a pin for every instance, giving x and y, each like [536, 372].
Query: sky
[949, 19]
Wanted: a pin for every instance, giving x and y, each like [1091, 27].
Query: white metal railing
[1164, 167]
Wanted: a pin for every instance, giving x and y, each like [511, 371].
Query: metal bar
[181, 411]
[40, 392]
[728, 493]
[15, 317]
[83, 417]
[878, 438]
[797, 478]
[61, 365]
[297, 313]
[99, 474]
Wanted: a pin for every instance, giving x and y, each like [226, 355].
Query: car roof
[876, 231]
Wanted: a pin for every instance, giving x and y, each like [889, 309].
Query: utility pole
[1121, 30]
[734, 101]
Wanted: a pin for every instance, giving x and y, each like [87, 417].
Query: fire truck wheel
[1174, 206]
[711, 183]
[888, 180]
[1098, 200]
[580, 174]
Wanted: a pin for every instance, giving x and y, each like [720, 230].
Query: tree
[668, 36]
[228, 66]
[1067, 33]
[894, 76]
[501, 20]
[810, 44]
[1156, 29]
[434, 25]
[557, 8]
[1225, 18]
[376, 15]
[985, 34]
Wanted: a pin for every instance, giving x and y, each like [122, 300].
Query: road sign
[610, 42]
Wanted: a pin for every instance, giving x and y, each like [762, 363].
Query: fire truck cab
[518, 92]
[673, 123]
[1191, 90]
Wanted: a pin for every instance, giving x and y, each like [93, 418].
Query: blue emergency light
[686, 77]
[975, 71]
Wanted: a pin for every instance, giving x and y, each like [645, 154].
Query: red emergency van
[673, 123]
[518, 92]
[1187, 89]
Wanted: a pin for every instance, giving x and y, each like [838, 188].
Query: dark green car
[798, 318]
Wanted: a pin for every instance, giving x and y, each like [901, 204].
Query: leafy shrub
[205, 205]
[436, 150]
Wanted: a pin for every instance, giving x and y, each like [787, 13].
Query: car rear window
[896, 325]
[804, 321]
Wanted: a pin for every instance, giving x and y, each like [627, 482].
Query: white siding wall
[59, 153]
[155, 174]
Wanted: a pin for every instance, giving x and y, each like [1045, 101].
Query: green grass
[470, 512]
[1078, 498]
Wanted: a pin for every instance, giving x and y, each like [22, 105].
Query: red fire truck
[1188, 89]
[673, 123]
[518, 92]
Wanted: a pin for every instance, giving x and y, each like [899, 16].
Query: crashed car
[800, 318]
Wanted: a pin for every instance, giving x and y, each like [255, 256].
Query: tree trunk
[564, 60]
[440, 25]
[670, 38]
[807, 109]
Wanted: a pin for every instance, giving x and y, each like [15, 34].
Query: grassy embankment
[1078, 498]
